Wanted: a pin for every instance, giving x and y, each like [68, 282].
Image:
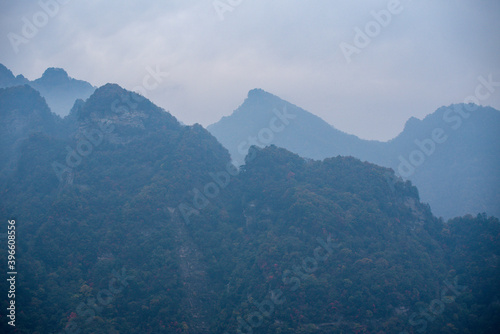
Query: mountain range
[456, 173]
[59, 90]
[129, 222]
[452, 155]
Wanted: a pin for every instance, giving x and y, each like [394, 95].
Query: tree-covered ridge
[287, 245]
[451, 155]
[22, 112]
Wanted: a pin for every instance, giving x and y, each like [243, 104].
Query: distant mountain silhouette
[129, 222]
[7, 78]
[265, 119]
[456, 176]
[59, 90]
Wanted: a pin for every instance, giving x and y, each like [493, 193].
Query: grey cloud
[429, 55]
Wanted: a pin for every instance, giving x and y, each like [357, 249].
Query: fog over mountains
[452, 155]
[59, 90]
[128, 221]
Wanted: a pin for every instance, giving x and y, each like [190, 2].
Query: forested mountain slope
[452, 155]
[133, 223]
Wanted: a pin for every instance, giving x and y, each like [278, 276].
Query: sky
[365, 67]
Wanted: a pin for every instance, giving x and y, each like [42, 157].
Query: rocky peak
[54, 75]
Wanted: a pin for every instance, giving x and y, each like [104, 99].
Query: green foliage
[261, 239]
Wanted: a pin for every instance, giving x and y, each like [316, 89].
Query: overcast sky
[430, 54]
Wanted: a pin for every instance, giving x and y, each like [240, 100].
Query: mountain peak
[411, 123]
[5, 72]
[258, 100]
[54, 74]
[7, 78]
[108, 97]
[108, 89]
[258, 93]
[129, 112]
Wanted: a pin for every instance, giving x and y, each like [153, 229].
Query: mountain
[452, 156]
[124, 166]
[22, 112]
[456, 176]
[265, 119]
[59, 90]
[7, 78]
[129, 222]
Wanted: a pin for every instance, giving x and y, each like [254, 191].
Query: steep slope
[98, 203]
[7, 78]
[328, 247]
[59, 90]
[22, 112]
[134, 223]
[329, 241]
[451, 156]
[459, 170]
[265, 119]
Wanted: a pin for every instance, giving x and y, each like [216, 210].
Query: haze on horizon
[425, 55]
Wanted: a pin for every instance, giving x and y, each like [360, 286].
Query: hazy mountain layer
[128, 222]
[452, 155]
[59, 90]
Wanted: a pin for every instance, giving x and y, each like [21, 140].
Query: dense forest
[129, 222]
